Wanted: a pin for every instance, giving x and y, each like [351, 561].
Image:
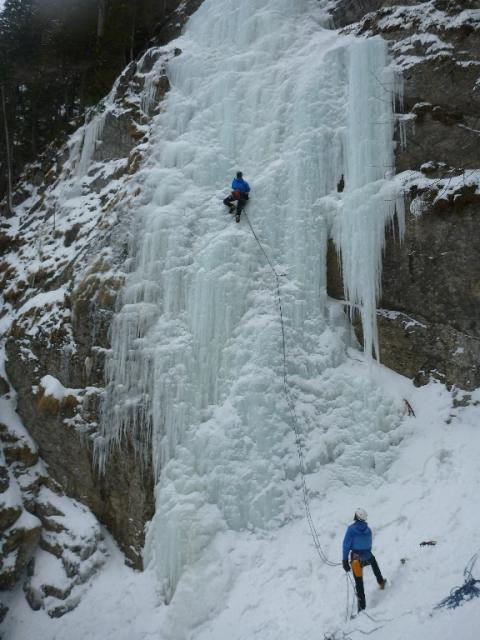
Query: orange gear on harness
[357, 568]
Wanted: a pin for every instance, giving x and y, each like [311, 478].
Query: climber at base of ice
[358, 543]
[240, 191]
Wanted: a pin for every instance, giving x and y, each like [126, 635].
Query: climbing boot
[237, 217]
[382, 584]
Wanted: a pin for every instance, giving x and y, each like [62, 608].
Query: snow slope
[273, 586]
[197, 364]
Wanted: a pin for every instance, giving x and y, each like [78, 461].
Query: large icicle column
[370, 200]
[195, 372]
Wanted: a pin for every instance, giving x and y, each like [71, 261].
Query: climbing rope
[291, 408]
[468, 591]
[364, 613]
[349, 607]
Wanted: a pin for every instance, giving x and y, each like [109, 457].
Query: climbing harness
[291, 408]
[468, 591]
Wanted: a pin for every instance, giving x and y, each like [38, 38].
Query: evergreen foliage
[57, 57]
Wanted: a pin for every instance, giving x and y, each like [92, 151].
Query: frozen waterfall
[195, 372]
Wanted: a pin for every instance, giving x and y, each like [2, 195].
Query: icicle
[92, 134]
[150, 86]
[370, 200]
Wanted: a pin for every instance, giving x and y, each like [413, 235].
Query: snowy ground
[273, 586]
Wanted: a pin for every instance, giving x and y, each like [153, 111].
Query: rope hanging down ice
[298, 442]
[291, 408]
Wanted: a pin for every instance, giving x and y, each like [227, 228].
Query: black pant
[357, 566]
[242, 201]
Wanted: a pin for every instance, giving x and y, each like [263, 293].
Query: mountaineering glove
[346, 565]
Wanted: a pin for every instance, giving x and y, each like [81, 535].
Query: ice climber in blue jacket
[240, 191]
[358, 543]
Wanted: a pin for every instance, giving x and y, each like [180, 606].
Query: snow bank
[272, 585]
[53, 387]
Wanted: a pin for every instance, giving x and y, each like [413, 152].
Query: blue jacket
[358, 537]
[241, 185]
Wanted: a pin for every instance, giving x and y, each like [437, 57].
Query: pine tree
[58, 57]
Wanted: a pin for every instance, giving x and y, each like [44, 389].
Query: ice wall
[195, 373]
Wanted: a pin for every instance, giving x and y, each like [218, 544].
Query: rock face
[63, 260]
[62, 305]
[434, 279]
[20, 478]
[49, 542]
[59, 301]
[68, 555]
[351, 11]
[428, 322]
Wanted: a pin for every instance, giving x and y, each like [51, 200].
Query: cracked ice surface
[196, 364]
